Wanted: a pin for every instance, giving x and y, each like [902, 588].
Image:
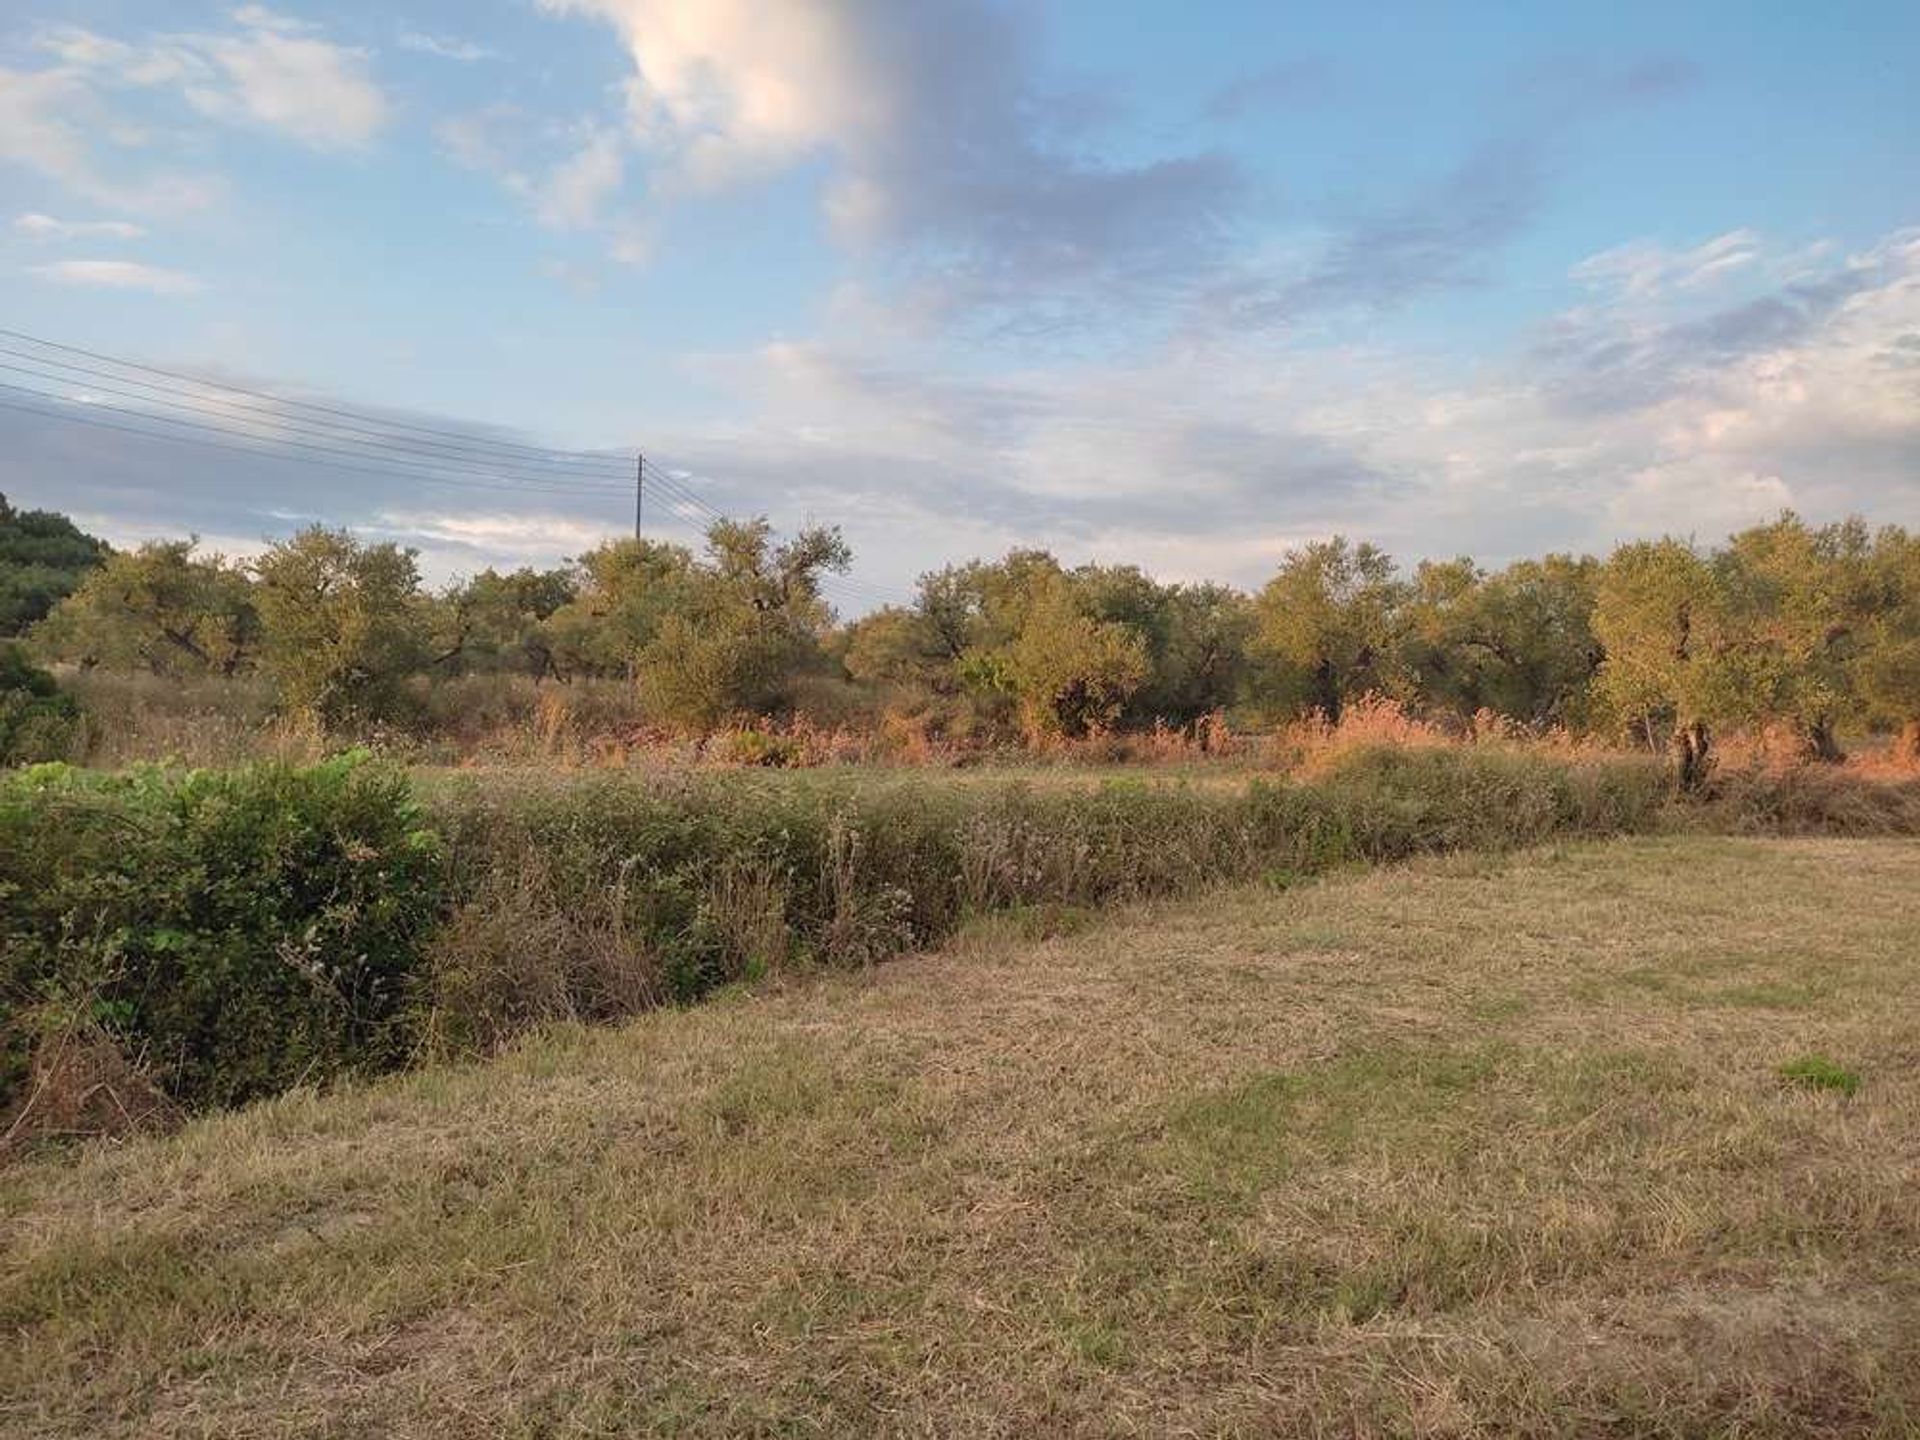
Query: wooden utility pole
[639, 487]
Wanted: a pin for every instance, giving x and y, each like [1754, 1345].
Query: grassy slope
[1477, 1147]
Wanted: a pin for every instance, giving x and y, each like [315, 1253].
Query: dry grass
[1479, 1147]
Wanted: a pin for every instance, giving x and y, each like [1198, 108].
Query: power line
[283, 400]
[161, 412]
[362, 442]
[680, 491]
[395, 466]
[329, 429]
[832, 586]
[262, 449]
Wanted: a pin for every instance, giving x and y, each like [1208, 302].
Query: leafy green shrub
[37, 721]
[1816, 1072]
[240, 931]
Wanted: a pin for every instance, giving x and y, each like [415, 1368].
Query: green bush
[37, 721]
[238, 931]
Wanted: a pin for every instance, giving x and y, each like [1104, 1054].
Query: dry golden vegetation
[1551, 1144]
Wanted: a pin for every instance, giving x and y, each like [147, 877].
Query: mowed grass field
[1479, 1146]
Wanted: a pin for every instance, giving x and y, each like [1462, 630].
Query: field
[1479, 1145]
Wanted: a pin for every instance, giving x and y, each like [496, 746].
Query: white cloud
[269, 70]
[44, 227]
[443, 47]
[1644, 270]
[56, 124]
[940, 141]
[732, 85]
[35, 129]
[569, 177]
[278, 74]
[117, 275]
[1212, 458]
[575, 193]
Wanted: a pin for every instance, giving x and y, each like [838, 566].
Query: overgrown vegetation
[239, 931]
[37, 721]
[1810, 632]
[234, 932]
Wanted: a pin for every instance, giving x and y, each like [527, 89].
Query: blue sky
[1158, 282]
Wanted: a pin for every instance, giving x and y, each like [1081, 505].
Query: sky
[1135, 281]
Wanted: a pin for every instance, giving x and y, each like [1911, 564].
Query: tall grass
[168, 907]
[216, 920]
[514, 720]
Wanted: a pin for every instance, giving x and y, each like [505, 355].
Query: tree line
[1812, 628]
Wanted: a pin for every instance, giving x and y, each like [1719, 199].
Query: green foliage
[1326, 626]
[43, 558]
[497, 622]
[896, 646]
[241, 931]
[622, 592]
[1888, 648]
[1786, 625]
[1072, 672]
[1664, 621]
[1074, 651]
[742, 626]
[343, 625]
[159, 609]
[1816, 1072]
[1519, 642]
[37, 721]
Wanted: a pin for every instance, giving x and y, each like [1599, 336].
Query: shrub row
[237, 931]
[242, 931]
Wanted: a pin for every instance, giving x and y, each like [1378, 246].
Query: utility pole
[639, 487]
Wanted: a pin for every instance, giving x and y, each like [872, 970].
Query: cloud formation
[943, 148]
[1291, 82]
[443, 47]
[36, 226]
[265, 70]
[279, 73]
[1644, 270]
[1197, 463]
[56, 123]
[117, 275]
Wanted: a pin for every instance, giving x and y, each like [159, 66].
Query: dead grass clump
[1314, 744]
[1808, 798]
[79, 1084]
[132, 718]
[524, 950]
[746, 911]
